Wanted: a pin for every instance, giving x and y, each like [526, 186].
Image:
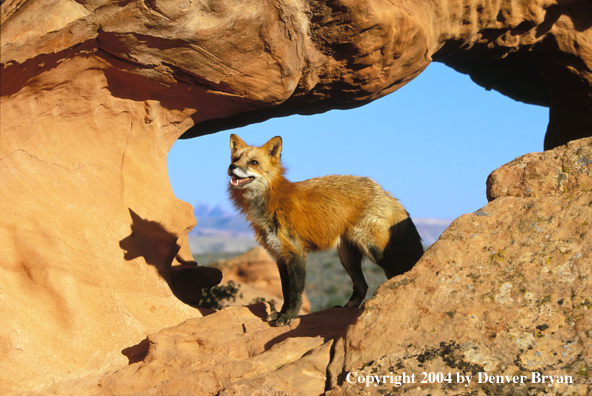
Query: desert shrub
[218, 297]
[261, 299]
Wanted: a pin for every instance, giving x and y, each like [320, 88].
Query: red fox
[351, 213]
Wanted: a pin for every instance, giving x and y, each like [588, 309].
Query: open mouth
[240, 181]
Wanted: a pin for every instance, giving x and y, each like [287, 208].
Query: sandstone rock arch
[95, 92]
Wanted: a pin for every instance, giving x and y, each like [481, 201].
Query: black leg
[284, 277]
[293, 281]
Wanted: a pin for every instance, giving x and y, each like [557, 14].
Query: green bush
[261, 299]
[218, 297]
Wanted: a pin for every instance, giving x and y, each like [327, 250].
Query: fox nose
[232, 167]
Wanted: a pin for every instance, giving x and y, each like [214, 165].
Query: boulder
[505, 291]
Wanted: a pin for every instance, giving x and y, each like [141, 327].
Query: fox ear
[236, 143]
[274, 147]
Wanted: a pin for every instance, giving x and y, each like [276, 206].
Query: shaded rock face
[228, 64]
[94, 93]
[529, 51]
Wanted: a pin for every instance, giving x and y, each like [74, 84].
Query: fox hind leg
[351, 258]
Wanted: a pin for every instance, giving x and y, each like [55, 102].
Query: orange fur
[292, 219]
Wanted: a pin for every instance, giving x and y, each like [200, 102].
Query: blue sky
[432, 144]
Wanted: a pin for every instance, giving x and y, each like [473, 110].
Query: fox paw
[280, 319]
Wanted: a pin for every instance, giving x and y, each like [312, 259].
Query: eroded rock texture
[506, 291]
[232, 352]
[95, 92]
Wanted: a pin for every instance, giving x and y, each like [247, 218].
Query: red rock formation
[94, 93]
[504, 292]
[234, 351]
[534, 51]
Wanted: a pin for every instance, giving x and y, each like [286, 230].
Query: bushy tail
[403, 249]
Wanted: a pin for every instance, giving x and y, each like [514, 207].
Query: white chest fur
[272, 243]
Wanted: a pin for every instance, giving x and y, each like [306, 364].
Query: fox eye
[253, 162]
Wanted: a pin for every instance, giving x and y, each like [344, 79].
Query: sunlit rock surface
[94, 93]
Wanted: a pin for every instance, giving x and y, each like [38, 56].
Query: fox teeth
[236, 181]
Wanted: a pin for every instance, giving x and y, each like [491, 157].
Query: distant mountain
[228, 231]
[204, 210]
[216, 221]
[430, 229]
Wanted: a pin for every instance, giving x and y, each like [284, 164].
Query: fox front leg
[293, 277]
[283, 270]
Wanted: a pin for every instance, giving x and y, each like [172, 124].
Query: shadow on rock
[159, 248]
[328, 324]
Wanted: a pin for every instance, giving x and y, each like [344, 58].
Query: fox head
[254, 168]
